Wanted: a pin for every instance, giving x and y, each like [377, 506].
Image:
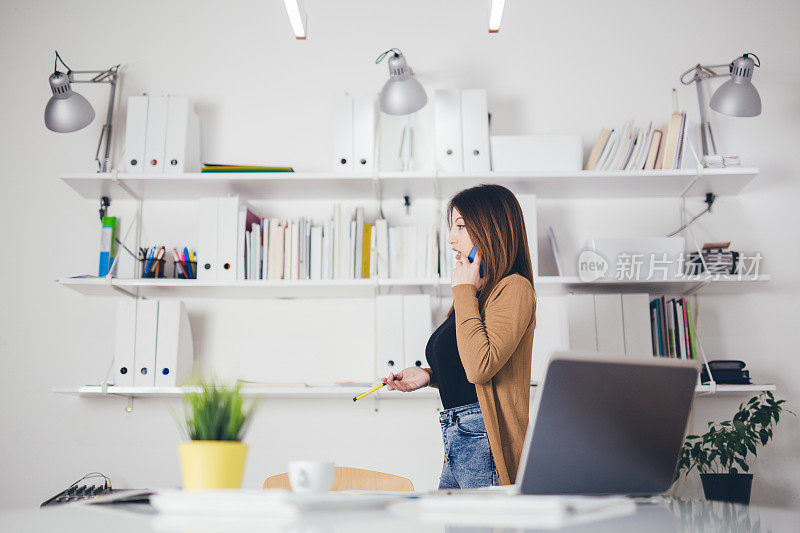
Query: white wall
[556, 66]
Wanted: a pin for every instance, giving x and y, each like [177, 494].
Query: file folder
[228, 239]
[343, 133]
[155, 141]
[182, 145]
[416, 328]
[145, 348]
[475, 130]
[447, 116]
[124, 343]
[582, 327]
[174, 349]
[245, 218]
[207, 239]
[135, 134]
[275, 269]
[107, 245]
[636, 325]
[608, 319]
[363, 135]
[389, 334]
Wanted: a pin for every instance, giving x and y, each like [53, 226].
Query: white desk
[675, 516]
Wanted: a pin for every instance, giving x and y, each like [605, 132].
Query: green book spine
[692, 345]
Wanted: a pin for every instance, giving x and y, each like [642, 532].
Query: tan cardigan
[496, 352]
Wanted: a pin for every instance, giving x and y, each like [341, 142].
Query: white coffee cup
[311, 476]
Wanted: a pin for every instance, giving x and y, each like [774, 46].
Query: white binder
[124, 343]
[608, 318]
[527, 202]
[416, 328]
[174, 349]
[182, 145]
[389, 332]
[475, 130]
[145, 351]
[447, 116]
[275, 270]
[363, 135]
[582, 327]
[207, 239]
[155, 140]
[343, 133]
[636, 325]
[228, 238]
[135, 134]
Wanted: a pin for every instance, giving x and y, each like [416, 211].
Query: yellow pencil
[370, 391]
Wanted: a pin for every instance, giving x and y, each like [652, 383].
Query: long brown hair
[495, 225]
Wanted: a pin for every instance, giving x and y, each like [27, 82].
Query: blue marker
[471, 258]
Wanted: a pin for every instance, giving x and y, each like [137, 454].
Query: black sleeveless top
[442, 355]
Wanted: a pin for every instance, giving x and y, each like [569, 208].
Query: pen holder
[184, 270]
[153, 268]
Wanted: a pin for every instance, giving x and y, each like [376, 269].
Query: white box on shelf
[156, 139]
[174, 348]
[389, 333]
[638, 258]
[343, 133]
[475, 130]
[447, 117]
[207, 241]
[124, 343]
[536, 153]
[416, 327]
[145, 351]
[182, 145]
[582, 327]
[636, 322]
[608, 323]
[135, 134]
[363, 135]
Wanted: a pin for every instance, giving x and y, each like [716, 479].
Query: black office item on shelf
[726, 372]
[716, 259]
[77, 492]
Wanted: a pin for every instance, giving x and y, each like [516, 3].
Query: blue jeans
[468, 461]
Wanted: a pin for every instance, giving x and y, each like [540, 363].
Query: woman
[480, 357]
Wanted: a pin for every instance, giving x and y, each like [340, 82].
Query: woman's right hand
[408, 379]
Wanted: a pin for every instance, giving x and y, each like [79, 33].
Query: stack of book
[672, 329]
[346, 246]
[633, 147]
[215, 167]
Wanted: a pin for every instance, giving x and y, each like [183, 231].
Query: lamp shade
[738, 97]
[66, 111]
[402, 94]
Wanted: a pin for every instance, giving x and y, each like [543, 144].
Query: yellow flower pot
[212, 464]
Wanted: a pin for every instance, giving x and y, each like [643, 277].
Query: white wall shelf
[328, 185]
[345, 393]
[545, 285]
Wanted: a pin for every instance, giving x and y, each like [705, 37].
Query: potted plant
[722, 452]
[215, 422]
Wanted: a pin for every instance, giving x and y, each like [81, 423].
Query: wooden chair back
[346, 478]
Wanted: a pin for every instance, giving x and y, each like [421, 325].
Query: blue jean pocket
[471, 425]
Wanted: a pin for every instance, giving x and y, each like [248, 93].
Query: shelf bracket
[122, 185]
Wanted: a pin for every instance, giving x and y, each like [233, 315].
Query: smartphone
[471, 258]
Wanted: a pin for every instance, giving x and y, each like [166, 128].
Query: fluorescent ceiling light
[296, 18]
[496, 15]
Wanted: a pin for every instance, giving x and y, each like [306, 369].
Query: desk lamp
[68, 111]
[737, 97]
[402, 94]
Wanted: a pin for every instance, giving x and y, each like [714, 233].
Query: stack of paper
[493, 509]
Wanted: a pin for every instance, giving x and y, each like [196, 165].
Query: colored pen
[370, 391]
[177, 260]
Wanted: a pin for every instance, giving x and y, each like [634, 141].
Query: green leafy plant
[217, 412]
[726, 446]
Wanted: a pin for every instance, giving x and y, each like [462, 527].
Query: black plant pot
[727, 487]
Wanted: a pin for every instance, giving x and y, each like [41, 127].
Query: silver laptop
[606, 425]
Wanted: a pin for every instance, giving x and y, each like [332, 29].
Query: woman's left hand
[466, 272]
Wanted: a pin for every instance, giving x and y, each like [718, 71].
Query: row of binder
[403, 325]
[462, 130]
[162, 135]
[153, 343]
[610, 323]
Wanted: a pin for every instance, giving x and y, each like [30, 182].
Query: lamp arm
[702, 72]
[111, 77]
